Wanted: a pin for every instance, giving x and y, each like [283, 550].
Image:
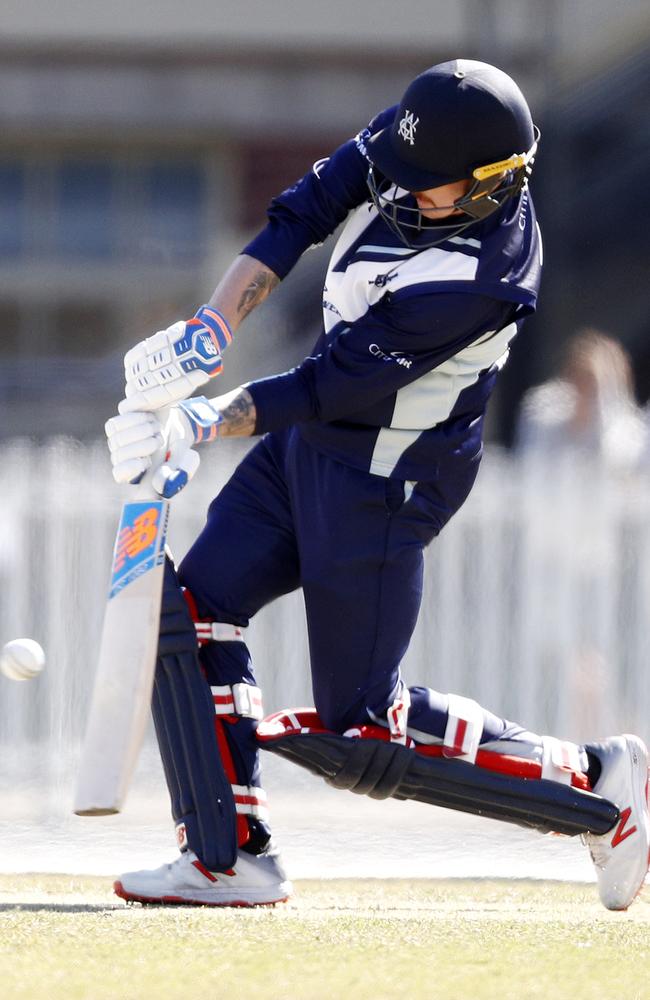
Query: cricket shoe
[621, 856]
[254, 880]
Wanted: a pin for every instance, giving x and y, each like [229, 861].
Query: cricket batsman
[367, 448]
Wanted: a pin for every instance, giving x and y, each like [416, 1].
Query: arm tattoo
[261, 285]
[239, 416]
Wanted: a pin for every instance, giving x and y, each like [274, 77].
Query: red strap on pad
[307, 720]
[243, 833]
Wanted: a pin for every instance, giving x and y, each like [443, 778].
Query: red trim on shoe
[204, 871]
[210, 875]
[131, 897]
[619, 836]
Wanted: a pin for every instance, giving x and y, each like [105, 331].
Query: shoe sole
[132, 897]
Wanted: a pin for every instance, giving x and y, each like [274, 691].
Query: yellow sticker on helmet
[500, 167]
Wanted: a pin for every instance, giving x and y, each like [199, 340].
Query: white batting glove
[172, 364]
[133, 438]
[138, 442]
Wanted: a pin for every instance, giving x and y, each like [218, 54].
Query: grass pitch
[69, 937]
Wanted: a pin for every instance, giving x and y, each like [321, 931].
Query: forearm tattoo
[239, 416]
[260, 286]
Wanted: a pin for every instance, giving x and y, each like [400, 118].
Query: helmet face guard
[492, 185]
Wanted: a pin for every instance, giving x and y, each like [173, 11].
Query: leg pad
[373, 766]
[203, 806]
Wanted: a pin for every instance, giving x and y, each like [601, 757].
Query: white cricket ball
[22, 659]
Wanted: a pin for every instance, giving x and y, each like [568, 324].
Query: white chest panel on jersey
[349, 294]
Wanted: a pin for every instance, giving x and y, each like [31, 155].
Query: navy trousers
[291, 517]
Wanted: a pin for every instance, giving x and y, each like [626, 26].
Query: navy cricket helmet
[459, 120]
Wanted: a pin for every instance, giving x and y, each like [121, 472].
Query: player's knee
[209, 603]
[209, 596]
[340, 718]
[331, 717]
[369, 707]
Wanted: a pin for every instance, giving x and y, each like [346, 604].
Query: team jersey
[412, 339]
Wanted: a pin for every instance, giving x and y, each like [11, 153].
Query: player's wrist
[202, 417]
[216, 322]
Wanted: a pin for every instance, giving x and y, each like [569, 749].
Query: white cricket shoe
[621, 856]
[253, 881]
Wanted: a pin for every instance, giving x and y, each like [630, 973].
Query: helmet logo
[407, 127]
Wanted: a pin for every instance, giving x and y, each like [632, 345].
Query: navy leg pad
[183, 713]
[382, 770]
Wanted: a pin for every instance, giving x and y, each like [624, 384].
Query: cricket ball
[22, 659]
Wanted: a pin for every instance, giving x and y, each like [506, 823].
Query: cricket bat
[121, 698]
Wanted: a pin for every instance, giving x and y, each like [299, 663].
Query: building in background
[140, 143]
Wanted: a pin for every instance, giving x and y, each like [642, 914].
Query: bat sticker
[140, 542]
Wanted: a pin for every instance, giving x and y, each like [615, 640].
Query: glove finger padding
[153, 353]
[171, 365]
[153, 398]
[132, 439]
[133, 429]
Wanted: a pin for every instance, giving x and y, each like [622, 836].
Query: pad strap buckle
[240, 699]
[561, 760]
[218, 632]
[464, 728]
[397, 716]
[250, 800]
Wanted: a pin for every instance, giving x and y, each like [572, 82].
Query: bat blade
[121, 698]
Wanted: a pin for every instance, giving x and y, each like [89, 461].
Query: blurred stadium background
[140, 142]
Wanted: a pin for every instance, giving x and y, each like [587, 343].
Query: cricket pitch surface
[392, 899]
[68, 938]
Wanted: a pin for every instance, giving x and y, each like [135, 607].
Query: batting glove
[172, 364]
[137, 442]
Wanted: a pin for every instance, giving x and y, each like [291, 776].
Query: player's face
[438, 202]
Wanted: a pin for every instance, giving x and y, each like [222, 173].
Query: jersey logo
[377, 352]
[361, 139]
[620, 836]
[407, 127]
[319, 165]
